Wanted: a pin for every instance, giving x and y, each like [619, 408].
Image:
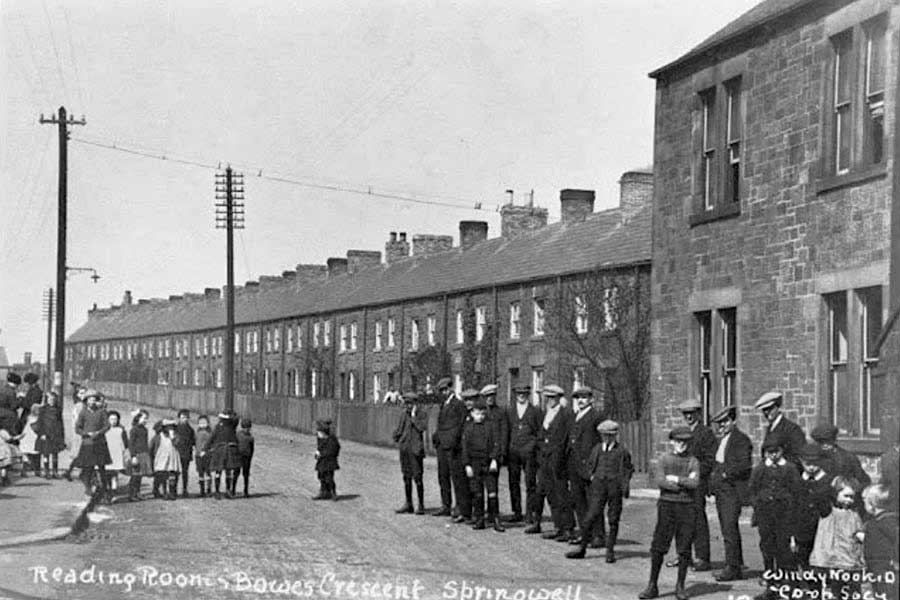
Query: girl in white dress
[117, 442]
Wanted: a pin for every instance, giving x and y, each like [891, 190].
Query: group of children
[39, 443]
[166, 456]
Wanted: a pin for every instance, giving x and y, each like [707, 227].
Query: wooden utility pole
[62, 122]
[229, 216]
[48, 315]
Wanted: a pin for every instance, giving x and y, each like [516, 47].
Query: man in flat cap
[582, 439]
[677, 474]
[791, 434]
[408, 437]
[611, 472]
[842, 462]
[552, 476]
[524, 426]
[703, 447]
[446, 440]
[728, 482]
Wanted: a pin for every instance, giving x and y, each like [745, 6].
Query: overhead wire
[59, 69]
[65, 12]
[256, 172]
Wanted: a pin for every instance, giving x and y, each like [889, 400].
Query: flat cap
[682, 434]
[811, 452]
[608, 426]
[31, 378]
[410, 396]
[91, 393]
[489, 390]
[552, 390]
[522, 389]
[582, 391]
[690, 405]
[727, 413]
[768, 400]
[444, 383]
[13, 378]
[469, 393]
[823, 432]
[772, 441]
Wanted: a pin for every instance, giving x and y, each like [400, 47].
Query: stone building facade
[357, 328]
[774, 152]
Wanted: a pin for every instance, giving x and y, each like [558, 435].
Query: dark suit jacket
[524, 433]
[497, 416]
[329, 449]
[493, 442]
[555, 439]
[703, 447]
[842, 463]
[582, 438]
[408, 433]
[451, 418]
[732, 475]
[793, 437]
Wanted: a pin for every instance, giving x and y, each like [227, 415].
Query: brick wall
[799, 234]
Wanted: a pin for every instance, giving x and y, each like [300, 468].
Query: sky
[450, 103]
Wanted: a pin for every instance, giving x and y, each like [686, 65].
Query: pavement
[280, 543]
[36, 510]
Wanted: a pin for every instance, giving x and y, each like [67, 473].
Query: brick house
[771, 228]
[356, 328]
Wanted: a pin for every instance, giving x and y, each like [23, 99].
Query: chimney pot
[126, 300]
[472, 232]
[576, 205]
[393, 236]
[402, 236]
[511, 195]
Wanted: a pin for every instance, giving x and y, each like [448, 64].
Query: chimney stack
[635, 192]
[516, 220]
[336, 266]
[576, 205]
[212, 293]
[426, 245]
[362, 259]
[126, 300]
[396, 248]
[472, 232]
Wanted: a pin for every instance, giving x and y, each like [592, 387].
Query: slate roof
[603, 240]
[762, 13]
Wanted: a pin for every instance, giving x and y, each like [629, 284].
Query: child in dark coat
[51, 435]
[879, 539]
[814, 501]
[224, 456]
[246, 445]
[184, 443]
[141, 462]
[327, 450]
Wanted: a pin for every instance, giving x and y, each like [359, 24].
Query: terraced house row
[759, 261]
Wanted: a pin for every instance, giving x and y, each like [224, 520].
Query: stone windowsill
[861, 445]
[836, 182]
[723, 211]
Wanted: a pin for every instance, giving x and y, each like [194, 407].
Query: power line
[291, 180]
[59, 70]
[72, 54]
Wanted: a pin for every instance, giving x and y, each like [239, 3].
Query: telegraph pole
[48, 315]
[229, 216]
[63, 124]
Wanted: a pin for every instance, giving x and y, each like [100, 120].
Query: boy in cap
[842, 462]
[677, 476]
[552, 479]
[524, 426]
[481, 451]
[185, 438]
[774, 489]
[496, 415]
[731, 470]
[813, 503]
[408, 437]
[327, 451]
[446, 440]
[611, 472]
[246, 447]
[583, 436]
[703, 447]
[791, 435]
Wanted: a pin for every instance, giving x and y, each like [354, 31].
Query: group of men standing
[549, 448]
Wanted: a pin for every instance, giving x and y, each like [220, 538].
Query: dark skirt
[50, 445]
[93, 453]
[224, 457]
[144, 468]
